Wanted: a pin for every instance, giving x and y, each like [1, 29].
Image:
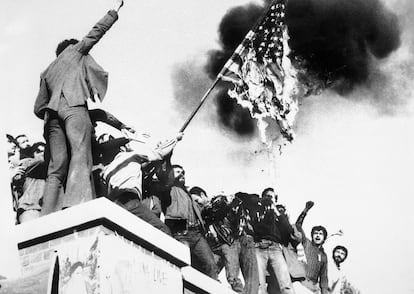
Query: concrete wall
[102, 248]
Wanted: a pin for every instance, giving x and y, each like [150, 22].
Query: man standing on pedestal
[65, 85]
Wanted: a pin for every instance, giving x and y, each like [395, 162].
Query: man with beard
[316, 267]
[183, 217]
[339, 254]
[338, 282]
[24, 146]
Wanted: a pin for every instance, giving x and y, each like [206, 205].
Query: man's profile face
[23, 142]
[339, 255]
[318, 237]
[179, 174]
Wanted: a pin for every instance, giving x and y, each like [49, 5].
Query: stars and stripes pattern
[260, 70]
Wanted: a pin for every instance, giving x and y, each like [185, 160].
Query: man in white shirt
[123, 175]
[338, 282]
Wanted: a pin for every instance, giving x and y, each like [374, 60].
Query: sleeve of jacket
[112, 145]
[97, 32]
[42, 99]
[150, 153]
[105, 117]
[299, 223]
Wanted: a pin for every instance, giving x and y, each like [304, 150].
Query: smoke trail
[339, 42]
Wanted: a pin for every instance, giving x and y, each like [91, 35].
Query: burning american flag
[263, 78]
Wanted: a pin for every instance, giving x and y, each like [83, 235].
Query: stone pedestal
[99, 248]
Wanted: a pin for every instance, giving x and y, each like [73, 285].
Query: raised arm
[106, 117]
[99, 29]
[301, 218]
[147, 153]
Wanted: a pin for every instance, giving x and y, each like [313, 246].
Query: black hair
[320, 228]
[267, 190]
[105, 137]
[342, 248]
[37, 144]
[197, 191]
[171, 180]
[176, 166]
[65, 43]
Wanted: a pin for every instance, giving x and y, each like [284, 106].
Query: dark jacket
[269, 226]
[74, 73]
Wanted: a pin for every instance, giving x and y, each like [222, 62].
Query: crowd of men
[243, 233]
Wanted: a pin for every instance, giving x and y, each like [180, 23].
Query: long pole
[187, 122]
[238, 50]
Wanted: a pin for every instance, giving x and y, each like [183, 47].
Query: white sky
[353, 161]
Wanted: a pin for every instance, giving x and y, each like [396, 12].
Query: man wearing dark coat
[65, 86]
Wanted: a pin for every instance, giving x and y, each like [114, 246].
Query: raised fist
[309, 204]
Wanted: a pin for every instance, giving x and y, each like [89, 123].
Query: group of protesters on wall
[249, 235]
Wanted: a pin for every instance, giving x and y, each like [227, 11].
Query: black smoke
[232, 29]
[338, 40]
[233, 116]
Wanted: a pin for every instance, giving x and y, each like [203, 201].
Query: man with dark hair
[29, 183]
[199, 196]
[269, 193]
[317, 261]
[183, 217]
[339, 254]
[65, 43]
[338, 282]
[25, 149]
[272, 231]
[65, 86]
